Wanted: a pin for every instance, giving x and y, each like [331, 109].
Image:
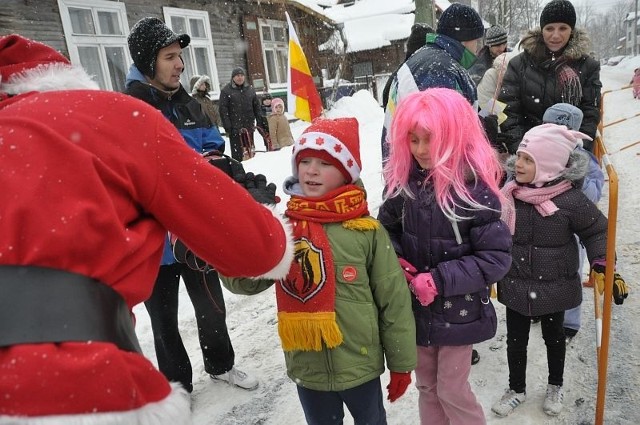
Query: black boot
[475, 357]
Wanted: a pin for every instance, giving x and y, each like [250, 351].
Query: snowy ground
[252, 320]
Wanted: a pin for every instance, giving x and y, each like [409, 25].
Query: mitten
[620, 288]
[502, 142]
[408, 269]
[184, 255]
[424, 288]
[398, 385]
[262, 192]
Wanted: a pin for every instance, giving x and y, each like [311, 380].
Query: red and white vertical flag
[303, 99]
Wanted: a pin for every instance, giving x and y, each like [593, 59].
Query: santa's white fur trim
[49, 77]
[173, 410]
[282, 268]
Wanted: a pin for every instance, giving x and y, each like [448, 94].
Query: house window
[275, 48]
[362, 69]
[199, 55]
[96, 35]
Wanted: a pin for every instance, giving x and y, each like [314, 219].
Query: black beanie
[147, 37]
[558, 11]
[461, 22]
[417, 38]
[237, 71]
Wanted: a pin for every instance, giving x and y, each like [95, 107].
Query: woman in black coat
[554, 67]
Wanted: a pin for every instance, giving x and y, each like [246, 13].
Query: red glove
[424, 288]
[408, 269]
[398, 385]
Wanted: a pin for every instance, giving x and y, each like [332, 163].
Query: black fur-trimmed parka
[531, 85]
[544, 276]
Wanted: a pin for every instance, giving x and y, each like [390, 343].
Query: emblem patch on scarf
[308, 274]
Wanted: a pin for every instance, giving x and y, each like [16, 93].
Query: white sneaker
[238, 378]
[553, 400]
[509, 401]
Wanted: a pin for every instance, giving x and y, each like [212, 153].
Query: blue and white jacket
[185, 113]
[442, 62]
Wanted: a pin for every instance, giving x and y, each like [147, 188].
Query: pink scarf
[540, 197]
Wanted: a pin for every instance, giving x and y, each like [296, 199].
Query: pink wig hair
[460, 151]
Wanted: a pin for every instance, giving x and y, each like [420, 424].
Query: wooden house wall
[34, 19]
[40, 20]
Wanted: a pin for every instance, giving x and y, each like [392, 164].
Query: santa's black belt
[43, 305]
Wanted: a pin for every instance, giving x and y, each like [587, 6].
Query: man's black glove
[262, 192]
[230, 166]
[491, 128]
[184, 255]
[503, 141]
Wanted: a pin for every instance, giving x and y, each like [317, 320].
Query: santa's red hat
[27, 65]
[336, 141]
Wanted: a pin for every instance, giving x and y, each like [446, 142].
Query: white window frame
[274, 46]
[200, 43]
[100, 41]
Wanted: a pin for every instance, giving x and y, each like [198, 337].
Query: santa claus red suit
[91, 183]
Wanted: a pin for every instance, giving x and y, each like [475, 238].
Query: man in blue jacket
[155, 78]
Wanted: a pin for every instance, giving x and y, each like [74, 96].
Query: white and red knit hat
[336, 141]
[27, 65]
[550, 146]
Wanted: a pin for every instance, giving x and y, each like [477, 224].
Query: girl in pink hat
[544, 211]
[279, 129]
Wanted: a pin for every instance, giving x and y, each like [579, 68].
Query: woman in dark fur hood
[554, 67]
[200, 88]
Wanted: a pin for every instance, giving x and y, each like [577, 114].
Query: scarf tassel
[361, 223]
[306, 331]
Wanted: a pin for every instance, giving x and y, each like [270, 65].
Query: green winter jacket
[373, 312]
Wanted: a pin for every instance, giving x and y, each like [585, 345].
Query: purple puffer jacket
[462, 269]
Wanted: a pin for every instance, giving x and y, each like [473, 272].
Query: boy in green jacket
[344, 306]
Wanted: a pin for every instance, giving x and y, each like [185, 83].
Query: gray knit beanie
[496, 35]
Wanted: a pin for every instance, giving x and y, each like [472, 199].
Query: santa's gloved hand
[398, 385]
[424, 288]
[408, 269]
[262, 192]
[184, 255]
[620, 288]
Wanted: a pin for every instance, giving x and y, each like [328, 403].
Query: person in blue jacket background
[155, 78]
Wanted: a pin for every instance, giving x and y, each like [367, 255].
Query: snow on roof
[370, 24]
[365, 9]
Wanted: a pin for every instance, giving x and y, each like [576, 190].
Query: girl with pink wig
[442, 211]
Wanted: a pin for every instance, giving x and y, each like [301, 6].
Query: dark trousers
[326, 407]
[236, 143]
[518, 327]
[208, 303]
